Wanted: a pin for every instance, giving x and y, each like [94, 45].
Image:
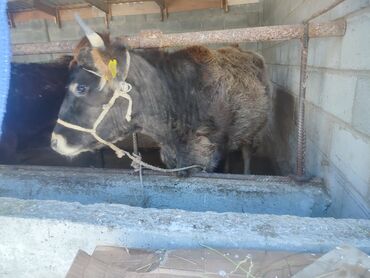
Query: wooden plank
[143, 7]
[51, 10]
[101, 5]
[242, 2]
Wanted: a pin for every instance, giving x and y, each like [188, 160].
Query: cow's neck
[155, 112]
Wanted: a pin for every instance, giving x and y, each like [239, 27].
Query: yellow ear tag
[112, 66]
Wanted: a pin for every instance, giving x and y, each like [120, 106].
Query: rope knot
[120, 153]
[137, 162]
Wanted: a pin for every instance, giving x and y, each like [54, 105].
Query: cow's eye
[82, 89]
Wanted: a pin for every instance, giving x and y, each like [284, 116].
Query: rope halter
[122, 91]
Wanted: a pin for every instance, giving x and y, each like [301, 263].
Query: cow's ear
[72, 64]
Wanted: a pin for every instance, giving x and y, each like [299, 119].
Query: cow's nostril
[54, 143]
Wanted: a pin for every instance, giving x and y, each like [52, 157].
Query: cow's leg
[247, 153]
[227, 163]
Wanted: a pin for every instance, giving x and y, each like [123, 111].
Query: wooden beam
[58, 20]
[225, 5]
[11, 20]
[48, 9]
[143, 7]
[51, 10]
[101, 5]
[162, 6]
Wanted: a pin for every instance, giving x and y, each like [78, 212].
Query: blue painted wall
[4, 60]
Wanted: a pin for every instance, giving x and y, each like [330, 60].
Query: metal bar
[301, 133]
[11, 19]
[152, 39]
[101, 5]
[301, 144]
[135, 143]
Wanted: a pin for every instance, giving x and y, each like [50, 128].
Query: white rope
[138, 163]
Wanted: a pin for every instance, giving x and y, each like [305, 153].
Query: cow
[196, 103]
[36, 93]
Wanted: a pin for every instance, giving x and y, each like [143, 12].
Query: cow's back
[238, 81]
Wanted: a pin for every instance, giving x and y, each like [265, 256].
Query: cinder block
[243, 9]
[361, 107]
[355, 47]
[284, 51]
[337, 95]
[31, 31]
[325, 52]
[194, 25]
[315, 86]
[32, 58]
[294, 55]
[236, 21]
[292, 83]
[210, 23]
[136, 19]
[70, 31]
[346, 201]
[319, 126]
[350, 152]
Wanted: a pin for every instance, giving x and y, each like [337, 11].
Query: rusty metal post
[135, 143]
[301, 143]
[155, 38]
[301, 133]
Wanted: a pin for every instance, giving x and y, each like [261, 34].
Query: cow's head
[98, 68]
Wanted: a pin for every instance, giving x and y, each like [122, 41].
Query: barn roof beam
[51, 10]
[163, 7]
[101, 5]
[150, 39]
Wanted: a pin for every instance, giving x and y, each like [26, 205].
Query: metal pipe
[301, 133]
[301, 144]
[155, 38]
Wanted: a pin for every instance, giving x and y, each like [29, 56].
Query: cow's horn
[127, 65]
[95, 40]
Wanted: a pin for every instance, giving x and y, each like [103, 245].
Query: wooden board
[109, 261]
[147, 7]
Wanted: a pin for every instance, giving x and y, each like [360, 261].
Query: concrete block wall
[337, 105]
[212, 19]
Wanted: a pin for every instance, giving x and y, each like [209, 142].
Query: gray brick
[32, 58]
[355, 47]
[70, 31]
[136, 19]
[243, 9]
[34, 31]
[212, 23]
[361, 107]
[325, 52]
[236, 21]
[319, 127]
[190, 25]
[351, 154]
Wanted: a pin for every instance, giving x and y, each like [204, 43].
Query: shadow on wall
[279, 142]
